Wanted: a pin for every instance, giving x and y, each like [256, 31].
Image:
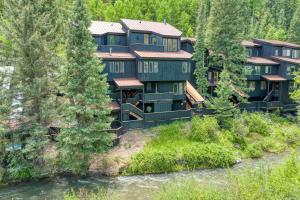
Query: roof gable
[163, 29]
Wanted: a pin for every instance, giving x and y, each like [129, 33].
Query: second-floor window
[290, 70]
[186, 67]
[112, 40]
[263, 85]
[178, 88]
[147, 67]
[116, 67]
[146, 38]
[153, 40]
[267, 69]
[251, 85]
[256, 70]
[286, 52]
[276, 52]
[170, 44]
[296, 53]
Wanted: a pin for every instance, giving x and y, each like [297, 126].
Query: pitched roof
[274, 78]
[154, 27]
[289, 60]
[188, 39]
[277, 43]
[115, 55]
[128, 82]
[261, 61]
[250, 44]
[174, 55]
[100, 28]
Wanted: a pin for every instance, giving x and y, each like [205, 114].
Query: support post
[121, 94]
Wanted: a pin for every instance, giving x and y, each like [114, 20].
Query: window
[153, 40]
[210, 76]
[186, 67]
[267, 69]
[155, 67]
[170, 44]
[165, 44]
[296, 53]
[146, 38]
[216, 76]
[174, 45]
[175, 88]
[116, 67]
[290, 70]
[248, 70]
[151, 67]
[257, 70]
[276, 52]
[249, 52]
[180, 88]
[286, 52]
[148, 87]
[263, 85]
[112, 40]
[146, 67]
[251, 85]
[140, 67]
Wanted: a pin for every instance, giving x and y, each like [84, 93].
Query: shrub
[254, 151]
[240, 127]
[153, 161]
[258, 123]
[272, 145]
[204, 129]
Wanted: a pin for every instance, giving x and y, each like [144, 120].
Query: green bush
[258, 123]
[153, 161]
[254, 151]
[189, 156]
[240, 127]
[204, 129]
[272, 145]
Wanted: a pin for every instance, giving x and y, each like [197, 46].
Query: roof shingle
[153, 27]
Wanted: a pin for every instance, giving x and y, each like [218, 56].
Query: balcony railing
[170, 115]
[146, 47]
[114, 48]
[148, 97]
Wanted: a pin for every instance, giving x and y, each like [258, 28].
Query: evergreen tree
[31, 29]
[225, 34]
[199, 56]
[294, 31]
[86, 109]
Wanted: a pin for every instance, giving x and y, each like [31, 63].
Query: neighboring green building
[269, 68]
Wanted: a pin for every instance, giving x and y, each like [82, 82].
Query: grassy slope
[203, 144]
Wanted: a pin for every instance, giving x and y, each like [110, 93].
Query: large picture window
[170, 44]
[116, 67]
[296, 53]
[286, 52]
[150, 67]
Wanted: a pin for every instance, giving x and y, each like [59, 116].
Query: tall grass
[202, 143]
[282, 182]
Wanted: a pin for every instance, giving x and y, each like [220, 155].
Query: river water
[128, 187]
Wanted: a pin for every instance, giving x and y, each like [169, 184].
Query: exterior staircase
[192, 94]
[134, 111]
[269, 96]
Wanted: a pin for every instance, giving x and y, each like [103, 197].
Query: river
[127, 187]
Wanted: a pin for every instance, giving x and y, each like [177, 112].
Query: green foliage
[85, 90]
[189, 156]
[199, 55]
[204, 129]
[258, 123]
[282, 182]
[254, 151]
[293, 33]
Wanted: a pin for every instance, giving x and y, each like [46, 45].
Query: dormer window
[296, 53]
[286, 52]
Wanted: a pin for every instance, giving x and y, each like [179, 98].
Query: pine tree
[30, 26]
[294, 31]
[86, 109]
[199, 56]
[225, 33]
